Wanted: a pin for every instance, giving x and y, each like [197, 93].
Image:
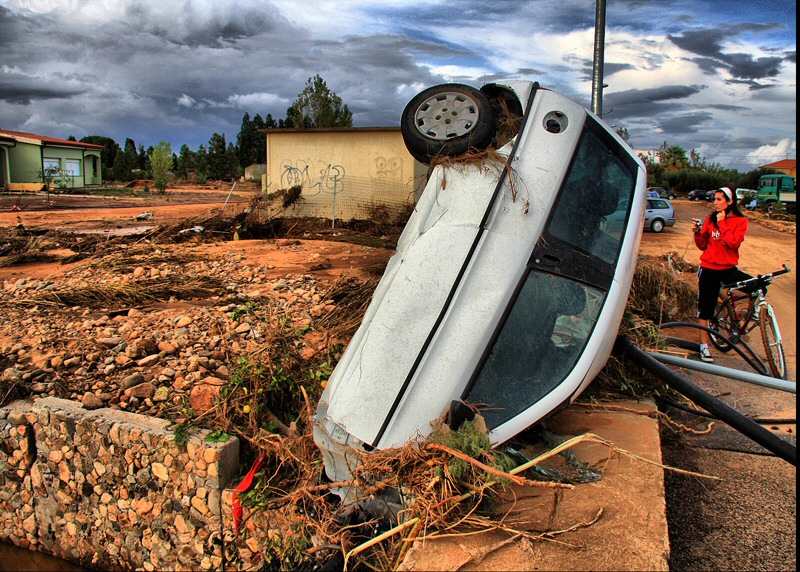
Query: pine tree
[318, 106]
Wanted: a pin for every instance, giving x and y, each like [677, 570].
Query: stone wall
[111, 489]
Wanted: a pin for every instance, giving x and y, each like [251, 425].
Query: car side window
[596, 183]
[657, 205]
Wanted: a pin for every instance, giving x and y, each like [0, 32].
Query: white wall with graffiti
[344, 173]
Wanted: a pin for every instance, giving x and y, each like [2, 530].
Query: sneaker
[705, 355]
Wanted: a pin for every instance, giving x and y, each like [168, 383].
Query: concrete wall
[111, 489]
[343, 171]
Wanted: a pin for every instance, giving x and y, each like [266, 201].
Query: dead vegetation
[445, 485]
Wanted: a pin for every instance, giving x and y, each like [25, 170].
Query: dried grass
[127, 295]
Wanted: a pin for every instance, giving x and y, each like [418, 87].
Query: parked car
[659, 214]
[745, 195]
[505, 291]
[660, 192]
[701, 195]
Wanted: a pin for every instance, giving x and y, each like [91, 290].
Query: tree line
[315, 106]
[672, 167]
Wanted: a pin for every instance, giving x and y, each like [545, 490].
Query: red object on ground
[16, 208]
[246, 483]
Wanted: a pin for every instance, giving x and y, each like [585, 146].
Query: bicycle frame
[734, 323]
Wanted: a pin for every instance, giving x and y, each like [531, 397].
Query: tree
[109, 152]
[624, 135]
[160, 163]
[126, 162]
[672, 158]
[221, 162]
[318, 106]
[246, 141]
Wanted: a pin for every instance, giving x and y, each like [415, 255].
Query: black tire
[447, 120]
[657, 225]
[772, 343]
[722, 323]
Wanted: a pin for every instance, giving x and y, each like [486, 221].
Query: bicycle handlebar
[760, 279]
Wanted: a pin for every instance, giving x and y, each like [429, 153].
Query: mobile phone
[697, 222]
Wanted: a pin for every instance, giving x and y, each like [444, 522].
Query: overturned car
[507, 288]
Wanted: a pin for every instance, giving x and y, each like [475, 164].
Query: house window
[73, 167]
[52, 165]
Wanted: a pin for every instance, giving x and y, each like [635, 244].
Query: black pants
[709, 283]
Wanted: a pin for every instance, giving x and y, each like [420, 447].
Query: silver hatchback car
[659, 213]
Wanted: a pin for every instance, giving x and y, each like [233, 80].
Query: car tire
[657, 225]
[447, 120]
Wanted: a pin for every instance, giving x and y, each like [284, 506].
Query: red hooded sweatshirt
[720, 245]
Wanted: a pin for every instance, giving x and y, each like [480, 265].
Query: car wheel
[447, 120]
[657, 225]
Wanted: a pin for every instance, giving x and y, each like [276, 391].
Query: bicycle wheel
[722, 323]
[771, 336]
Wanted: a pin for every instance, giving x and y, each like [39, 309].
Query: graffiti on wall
[299, 172]
[388, 168]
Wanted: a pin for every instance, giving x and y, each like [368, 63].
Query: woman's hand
[697, 225]
[721, 215]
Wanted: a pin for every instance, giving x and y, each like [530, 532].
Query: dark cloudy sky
[718, 76]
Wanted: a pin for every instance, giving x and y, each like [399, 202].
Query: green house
[28, 160]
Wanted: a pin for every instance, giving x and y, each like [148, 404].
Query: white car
[504, 292]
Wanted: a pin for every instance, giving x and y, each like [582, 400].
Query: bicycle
[734, 323]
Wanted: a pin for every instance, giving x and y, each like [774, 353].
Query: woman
[719, 237]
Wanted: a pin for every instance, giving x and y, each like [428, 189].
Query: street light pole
[597, 66]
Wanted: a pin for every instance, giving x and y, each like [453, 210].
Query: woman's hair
[732, 208]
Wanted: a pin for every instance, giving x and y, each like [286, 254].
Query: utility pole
[599, 47]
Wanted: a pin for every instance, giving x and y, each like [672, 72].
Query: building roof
[45, 139]
[782, 164]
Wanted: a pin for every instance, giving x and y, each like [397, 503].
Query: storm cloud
[182, 70]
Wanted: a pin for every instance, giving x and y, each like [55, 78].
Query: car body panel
[483, 237]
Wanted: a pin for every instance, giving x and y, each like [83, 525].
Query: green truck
[774, 189]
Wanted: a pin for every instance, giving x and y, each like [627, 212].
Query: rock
[110, 342]
[183, 321]
[149, 360]
[132, 380]
[204, 396]
[91, 401]
[160, 471]
[161, 394]
[166, 347]
[141, 391]
[16, 417]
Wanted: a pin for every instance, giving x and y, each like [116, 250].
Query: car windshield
[538, 346]
[548, 324]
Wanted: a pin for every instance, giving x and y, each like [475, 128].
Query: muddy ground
[328, 254]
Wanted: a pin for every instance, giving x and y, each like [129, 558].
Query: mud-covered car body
[504, 292]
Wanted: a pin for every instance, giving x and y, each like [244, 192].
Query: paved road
[746, 521]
